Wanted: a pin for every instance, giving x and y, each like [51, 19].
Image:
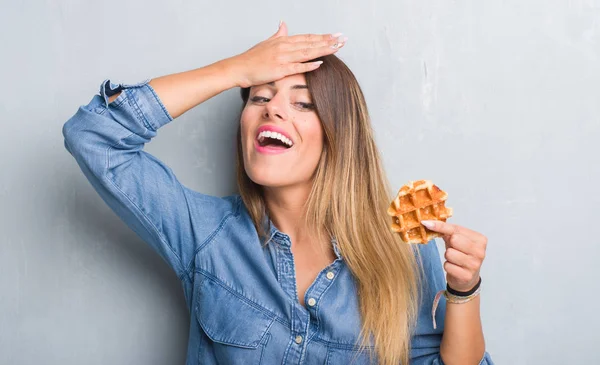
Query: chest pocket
[237, 328]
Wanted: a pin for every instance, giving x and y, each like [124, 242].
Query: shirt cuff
[142, 97]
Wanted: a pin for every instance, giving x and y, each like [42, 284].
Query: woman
[301, 267]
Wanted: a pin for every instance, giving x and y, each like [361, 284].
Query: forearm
[463, 341]
[182, 91]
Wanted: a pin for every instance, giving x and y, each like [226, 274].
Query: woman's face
[282, 137]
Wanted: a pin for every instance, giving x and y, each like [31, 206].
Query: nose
[275, 110]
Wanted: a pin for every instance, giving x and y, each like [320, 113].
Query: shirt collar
[274, 232]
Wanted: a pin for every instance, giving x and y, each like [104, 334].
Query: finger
[460, 243]
[441, 227]
[475, 236]
[316, 44]
[470, 233]
[314, 51]
[459, 273]
[449, 229]
[461, 259]
[467, 245]
[281, 30]
[312, 37]
[296, 68]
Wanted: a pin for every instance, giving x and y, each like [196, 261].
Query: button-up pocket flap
[228, 318]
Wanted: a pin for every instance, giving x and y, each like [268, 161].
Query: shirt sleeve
[107, 141]
[426, 341]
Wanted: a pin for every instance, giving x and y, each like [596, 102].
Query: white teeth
[279, 136]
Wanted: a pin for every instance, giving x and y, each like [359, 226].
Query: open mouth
[273, 140]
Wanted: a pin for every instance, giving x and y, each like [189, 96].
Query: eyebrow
[294, 87]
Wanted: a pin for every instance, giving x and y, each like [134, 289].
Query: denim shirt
[241, 295]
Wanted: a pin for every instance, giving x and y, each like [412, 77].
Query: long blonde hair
[349, 198]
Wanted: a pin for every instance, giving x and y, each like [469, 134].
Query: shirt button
[298, 339]
[312, 302]
[330, 275]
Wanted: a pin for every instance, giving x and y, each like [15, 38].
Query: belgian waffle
[417, 201]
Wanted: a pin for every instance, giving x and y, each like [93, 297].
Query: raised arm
[182, 91]
[270, 60]
[107, 136]
[107, 141]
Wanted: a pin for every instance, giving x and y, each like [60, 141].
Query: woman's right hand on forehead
[281, 55]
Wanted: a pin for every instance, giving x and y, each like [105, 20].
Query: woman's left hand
[465, 252]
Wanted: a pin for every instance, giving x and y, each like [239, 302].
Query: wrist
[464, 293]
[234, 70]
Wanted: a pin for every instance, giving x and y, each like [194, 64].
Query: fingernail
[336, 35]
[340, 42]
[428, 224]
[279, 26]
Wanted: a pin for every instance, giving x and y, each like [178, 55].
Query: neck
[287, 210]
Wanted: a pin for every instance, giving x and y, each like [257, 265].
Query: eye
[260, 99]
[309, 106]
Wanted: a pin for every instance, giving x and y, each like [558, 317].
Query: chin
[271, 178]
[266, 177]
